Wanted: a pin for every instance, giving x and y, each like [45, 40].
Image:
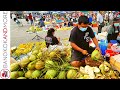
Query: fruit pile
[65, 28]
[46, 23]
[24, 49]
[34, 29]
[44, 63]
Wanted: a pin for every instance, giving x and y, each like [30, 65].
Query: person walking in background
[111, 18]
[90, 19]
[113, 30]
[42, 24]
[31, 19]
[26, 18]
[100, 21]
[14, 17]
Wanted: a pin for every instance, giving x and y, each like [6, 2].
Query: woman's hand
[58, 38]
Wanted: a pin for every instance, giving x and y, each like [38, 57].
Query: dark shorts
[78, 56]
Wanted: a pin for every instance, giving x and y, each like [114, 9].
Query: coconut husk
[93, 63]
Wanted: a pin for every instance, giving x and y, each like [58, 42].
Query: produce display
[53, 63]
[46, 23]
[65, 28]
[34, 29]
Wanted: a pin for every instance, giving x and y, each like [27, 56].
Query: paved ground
[19, 34]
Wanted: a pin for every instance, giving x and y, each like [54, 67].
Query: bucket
[103, 46]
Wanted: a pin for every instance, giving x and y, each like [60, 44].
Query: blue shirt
[90, 19]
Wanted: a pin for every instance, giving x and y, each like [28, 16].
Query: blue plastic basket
[113, 41]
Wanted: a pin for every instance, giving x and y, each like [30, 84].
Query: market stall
[35, 61]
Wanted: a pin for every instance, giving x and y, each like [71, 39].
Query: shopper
[31, 19]
[100, 21]
[50, 39]
[42, 24]
[79, 40]
[90, 19]
[113, 30]
[118, 38]
[14, 17]
[26, 18]
[111, 18]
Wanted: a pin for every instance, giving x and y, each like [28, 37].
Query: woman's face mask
[116, 24]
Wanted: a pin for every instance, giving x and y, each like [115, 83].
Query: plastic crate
[113, 41]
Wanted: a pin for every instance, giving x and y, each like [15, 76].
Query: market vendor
[114, 30]
[50, 39]
[79, 40]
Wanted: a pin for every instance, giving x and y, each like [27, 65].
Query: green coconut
[49, 63]
[39, 65]
[20, 73]
[71, 74]
[31, 65]
[36, 74]
[14, 75]
[23, 63]
[62, 75]
[14, 67]
[22, 78]
[52, 54]
[35, 52]
[95, 55]
[32, 57]
[28, 73]
[39, 54]
[50, 74]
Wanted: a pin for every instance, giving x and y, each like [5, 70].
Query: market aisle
[19, 34]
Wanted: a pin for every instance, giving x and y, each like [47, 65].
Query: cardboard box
[115, 64]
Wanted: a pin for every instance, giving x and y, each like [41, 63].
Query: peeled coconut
[23, 63]
[71, 74]
[20, 73]
[14, 67]
[35, 52]
[14, 75]
[86, 77]
[28, 73]
[50, 74]
[95, 55]
[22, 78]
[62, 75]
[102, 68]
[32, 58]
[39, 65]
[31, 65]
[36, 74]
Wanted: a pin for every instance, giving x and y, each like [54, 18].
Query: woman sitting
[50, 39]
[113, 31]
